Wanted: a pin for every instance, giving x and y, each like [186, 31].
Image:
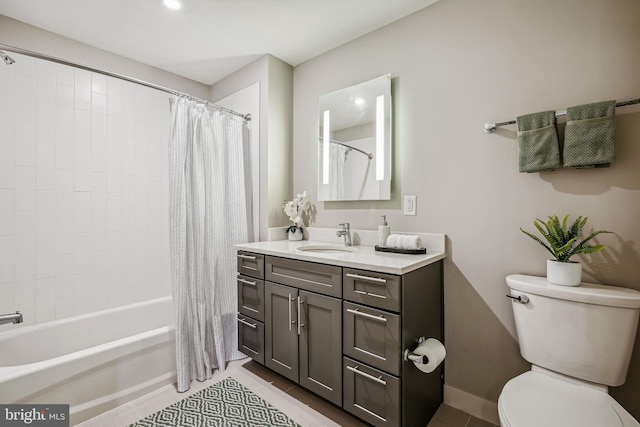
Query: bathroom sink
[326, 248]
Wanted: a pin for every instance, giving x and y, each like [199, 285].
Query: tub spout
[11, 318]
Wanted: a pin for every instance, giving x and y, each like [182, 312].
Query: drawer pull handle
[379, 379]
[244, 322]
[367, 315]
[245, 281]
[371, 279]
[246, 257]
[369, 294]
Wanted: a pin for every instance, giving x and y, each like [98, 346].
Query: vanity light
[326, 135]
[380, 138]
[173, 4]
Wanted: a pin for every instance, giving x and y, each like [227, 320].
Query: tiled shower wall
[83, 191]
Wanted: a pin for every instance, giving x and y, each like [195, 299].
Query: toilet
[579, 341]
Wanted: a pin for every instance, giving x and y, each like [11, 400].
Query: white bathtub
[92, 362]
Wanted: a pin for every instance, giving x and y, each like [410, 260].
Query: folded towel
[538, 142]
[403, 241]
[590, 135]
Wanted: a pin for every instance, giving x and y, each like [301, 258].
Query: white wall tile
[128, 110]
[25, 143]
[25, 235]
[142, 211]
[65, 100]
[45, 81]
[25, 189]
[46, 212]
[45, 256]
[7, 212]
[6, 295]
[7, 118]
[7, 161]
[82, 170]
[82, 253]
[128, 156]
[128, 267]
[114, 97]
[99, 192]
[64, 307]
[64, 75]
[99, 231]
[25, 281]
[82, 130]
[99, 83]
[114, 250]
[64, 275]
[114, 174]
[46, 124]
[45, 168]
[83, 89]
[24, 100]
[82, 211]
[6, 259]
[114, 137]
[142, 175]
[99, 142]
[7, 83]
[45, 299]
[64, 232]
[128, 193]
[64, 191]
[64, 147]
[114, 211]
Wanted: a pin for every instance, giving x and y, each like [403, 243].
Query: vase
[295, 235]
[564, 273]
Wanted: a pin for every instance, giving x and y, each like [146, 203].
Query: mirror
[355, 142]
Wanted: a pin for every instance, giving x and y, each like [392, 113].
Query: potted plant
[295, 209]
[564, 241]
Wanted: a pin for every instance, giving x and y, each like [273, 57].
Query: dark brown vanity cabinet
[341, 333]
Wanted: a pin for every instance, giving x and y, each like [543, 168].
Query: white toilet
[579, 341]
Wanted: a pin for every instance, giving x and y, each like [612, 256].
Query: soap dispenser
[383, 232]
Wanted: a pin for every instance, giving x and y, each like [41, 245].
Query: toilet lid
[534, 399]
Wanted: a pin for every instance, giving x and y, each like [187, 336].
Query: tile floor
[301, 406]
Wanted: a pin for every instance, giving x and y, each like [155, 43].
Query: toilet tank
[585, 332]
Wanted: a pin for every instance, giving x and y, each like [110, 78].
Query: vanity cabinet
[303, 338]
[341, 332]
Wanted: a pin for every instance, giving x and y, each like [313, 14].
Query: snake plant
[562, 240]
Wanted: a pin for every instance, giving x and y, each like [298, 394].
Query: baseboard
[471, 404]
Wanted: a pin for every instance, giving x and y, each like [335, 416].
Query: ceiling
[207, 40]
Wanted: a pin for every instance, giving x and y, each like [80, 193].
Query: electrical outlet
[410, 206]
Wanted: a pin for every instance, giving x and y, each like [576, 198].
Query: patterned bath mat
[225, 404]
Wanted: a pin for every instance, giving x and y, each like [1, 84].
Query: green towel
[538, 142]
[590, 135]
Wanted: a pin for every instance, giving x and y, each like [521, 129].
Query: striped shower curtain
[209, 211]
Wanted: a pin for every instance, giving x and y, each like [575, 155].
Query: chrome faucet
[346, 232]
[11, 318]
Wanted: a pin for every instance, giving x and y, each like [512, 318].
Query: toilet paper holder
[410, 356]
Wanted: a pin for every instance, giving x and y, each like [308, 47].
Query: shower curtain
[209, 211]
[337, 159]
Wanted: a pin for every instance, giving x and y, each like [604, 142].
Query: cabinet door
[281, 330]
[321, 345]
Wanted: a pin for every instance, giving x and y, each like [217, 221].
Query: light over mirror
[354, 156]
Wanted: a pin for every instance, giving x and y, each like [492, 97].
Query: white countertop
[363, 257]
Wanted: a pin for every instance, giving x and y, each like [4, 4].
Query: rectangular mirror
[354, 156]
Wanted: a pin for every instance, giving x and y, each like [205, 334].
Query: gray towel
[538, 142]
[590, 135]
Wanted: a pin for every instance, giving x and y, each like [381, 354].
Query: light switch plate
[410, 207]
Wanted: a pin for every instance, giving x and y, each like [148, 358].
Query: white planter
[564, 273]
[296, 235]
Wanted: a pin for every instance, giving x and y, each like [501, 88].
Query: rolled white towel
[411, 242]
[392, 241]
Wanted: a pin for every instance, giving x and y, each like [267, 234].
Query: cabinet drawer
[251, 338]
[370, 394]
[251, 297]
[372, 336]
[250, 264]
[375, 289]
[320, 278]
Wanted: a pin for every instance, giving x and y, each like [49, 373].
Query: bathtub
[92, 362]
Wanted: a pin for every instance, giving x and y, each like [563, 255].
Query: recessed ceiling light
[173, 4]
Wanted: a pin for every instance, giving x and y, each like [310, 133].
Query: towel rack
[490, 127]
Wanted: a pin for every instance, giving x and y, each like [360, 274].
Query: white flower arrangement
[294, 210]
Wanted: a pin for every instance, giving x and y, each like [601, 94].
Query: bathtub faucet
[11, 318]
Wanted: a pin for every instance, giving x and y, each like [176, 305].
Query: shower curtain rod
[369, 155]
[33, 54]
[490, 127]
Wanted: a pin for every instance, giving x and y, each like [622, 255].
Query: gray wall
[455, 65]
